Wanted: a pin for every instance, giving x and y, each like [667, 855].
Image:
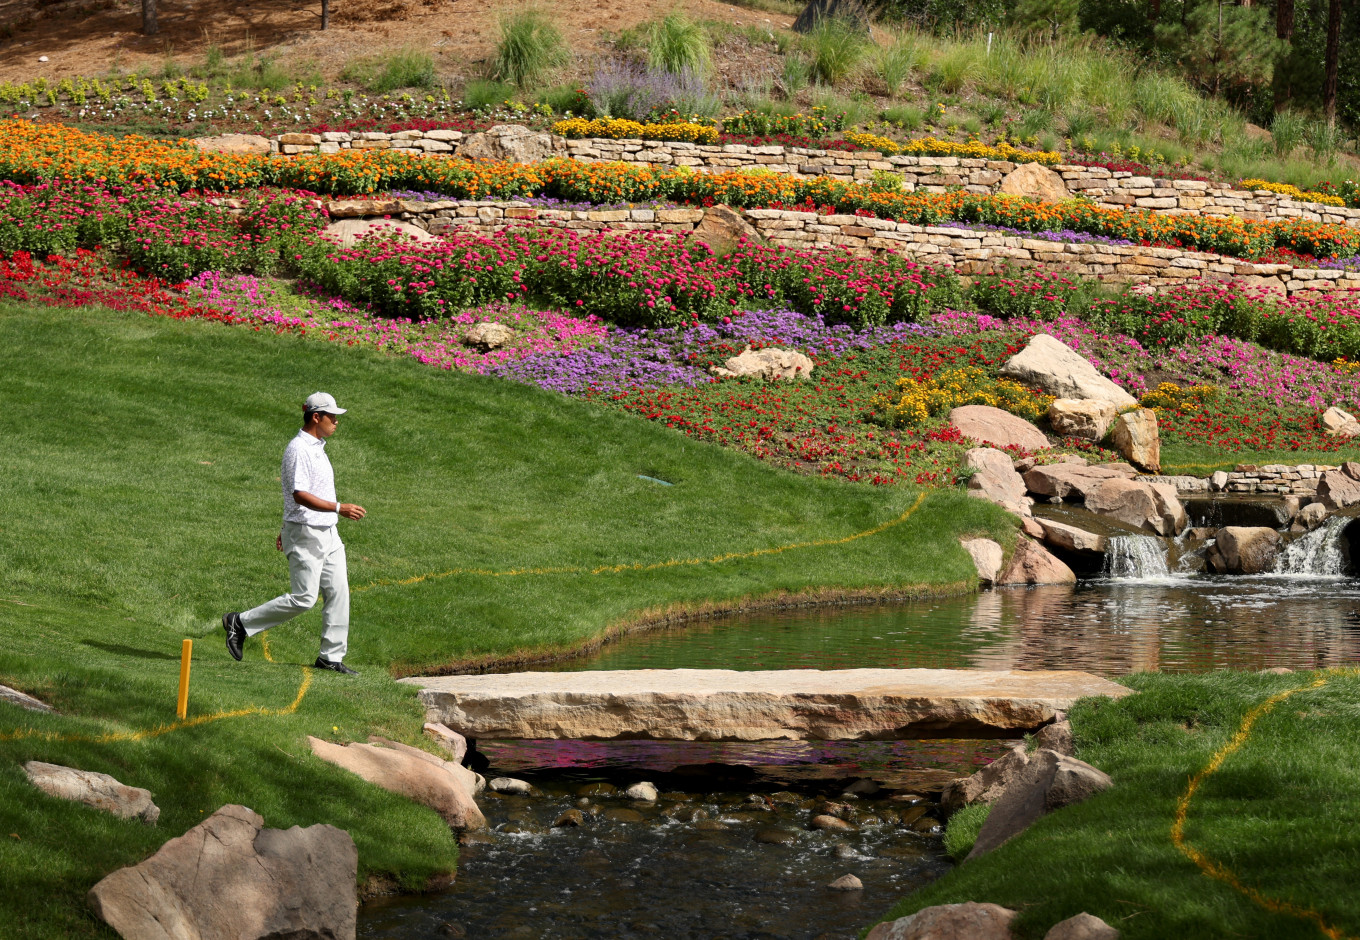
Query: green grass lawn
[1202, 460]
[1280, 814]
[140, 501]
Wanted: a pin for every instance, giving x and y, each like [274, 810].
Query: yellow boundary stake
[1217, 870]
[186, 655]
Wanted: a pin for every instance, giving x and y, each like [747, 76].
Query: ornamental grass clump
[530, 46]
[676, 44]
[918, 401]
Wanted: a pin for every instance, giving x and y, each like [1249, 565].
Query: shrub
[625, 90]
[483, 95]
[796, 73]
[563, 99]
[406, 68]
[529, 47]
[677, 44]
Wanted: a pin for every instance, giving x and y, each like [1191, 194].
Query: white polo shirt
[307, 468]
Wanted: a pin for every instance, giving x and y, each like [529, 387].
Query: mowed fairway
[139, 500]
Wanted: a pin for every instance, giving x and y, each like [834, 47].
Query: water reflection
[1176, 624]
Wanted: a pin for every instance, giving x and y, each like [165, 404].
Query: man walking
[316, 556]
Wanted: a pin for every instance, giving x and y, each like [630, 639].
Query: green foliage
[1050, 19]
[1222, 46]
[484, 95]
[677, 44]
[895, 62]
[1287, 132]
[904, 116]
[530, 46]
[962, 830]
[835, 50]
[795, 73]
[566, 98]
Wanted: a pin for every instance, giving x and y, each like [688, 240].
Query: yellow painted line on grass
[644, 566]
[1217, 870]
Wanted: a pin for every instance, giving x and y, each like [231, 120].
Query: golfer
[310, 537]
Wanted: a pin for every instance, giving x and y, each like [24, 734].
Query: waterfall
[1135, 556]
[1317, 553]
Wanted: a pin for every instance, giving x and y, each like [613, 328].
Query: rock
[512, 143]
[1137, 504]
[967, 921]
[487, 336]
[1082, 927]
[472, 782]
[349, 232]
[1062, 535]
[572, 817]
[722, 228]
[1135, 437]
[1084, 418]
[645, 792]
[776, 836]
[1243, 550]
[42, 58]
[1312, 516]
[1351, 468]
[1031, 527]
[233, 143]
[1277, 671]
[228, 878]
[96, 790]
[846, 883]
[624, 815]
[1034, 182]
[1169, 504]
[988, 425]
[769, 364]
[1056, 737]
[450, 740]
[443, 786]
[864, 787]
[825, 822]
[23, 700]
[1047, 363]
[1339, 423]
[511, 786]
[1337, 490]
[1049, 781]
[984, 786]
[1034, 564]
[1069, 481]
[994, 477]
[1218, 480]
[987, 557]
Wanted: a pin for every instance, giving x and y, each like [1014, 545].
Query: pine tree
[1222, 45]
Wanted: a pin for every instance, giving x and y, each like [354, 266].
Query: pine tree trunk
[325, 14]
[1284, 31]
[149, 17]
[1332, 60]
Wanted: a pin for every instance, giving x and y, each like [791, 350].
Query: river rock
[1062, 535]
[229, 878]
[1340, 423]
[776, 836]
[1336, 490]
[1135, 437]
[770, 364]
[441, 785]
[1084, 418]
[572, 817]
[829, 823]
[233, 143]
[994, 477]
[1312, 516]
[1243, 550]
[1034, 181]
[988, 425]
[1141, 505]
[1049, 781]
[1034, 564]
[349, 232]
[1218, 481]
[488, 335]
[1082, 927]
[1169, 504]
[722, 228]
[511, 143]
[846, 883]
[511, 786]
[644, 792]
[96, 790]
[967, 921]
[450, 740]
[23, 700]
[985, 785]
[1071, 481]
[987, 557]
[1049, 364]
[1056, 737]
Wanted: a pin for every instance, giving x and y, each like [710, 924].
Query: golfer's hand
[278, 542]
[352, 511]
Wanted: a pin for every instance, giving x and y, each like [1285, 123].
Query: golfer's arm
[303, 498]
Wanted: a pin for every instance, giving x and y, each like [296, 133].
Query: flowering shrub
[1293, 192]
[617, 128]
[919, 400]
[973, 149]
[816, 123]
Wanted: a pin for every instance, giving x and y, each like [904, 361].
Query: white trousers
[316, 567]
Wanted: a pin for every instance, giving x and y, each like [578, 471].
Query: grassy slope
[1199, 460]
[141, 500]
[1280, 814]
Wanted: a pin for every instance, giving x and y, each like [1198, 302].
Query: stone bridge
[725, 705]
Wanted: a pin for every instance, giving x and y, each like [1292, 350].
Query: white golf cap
[324, 402]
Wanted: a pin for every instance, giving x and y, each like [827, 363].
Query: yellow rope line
[642, 566]
[1218, 871]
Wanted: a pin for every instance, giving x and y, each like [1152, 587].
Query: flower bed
[973, 149]
[616, 129]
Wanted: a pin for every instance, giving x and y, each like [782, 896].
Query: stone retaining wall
[1276, 479]
[1115, 189]
[968, 252]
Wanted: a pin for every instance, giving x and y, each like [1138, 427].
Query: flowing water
[727, 850]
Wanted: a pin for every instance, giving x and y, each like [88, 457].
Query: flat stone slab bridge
[725, 705]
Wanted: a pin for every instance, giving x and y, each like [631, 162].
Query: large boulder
[1152, 507]
[1337, 489]
[721, 228]
[1049, 364]
[1071, 538]
[1082, 927]
[988, 425]
[1085, 418]
[233, 143]
[966, 921]
[1243, 550]
[985, 785]
[1135, 437]
[1049, 781]
[96, 790]
[229, 878]
[511, 143]
[448, 739]
[1073, 482]
[488, 335]
[995, 479]
[1340, 423]
[347, 232]
[443, 786]
[770, 364]
[1034, 564]
[987, 557]
[1034, 182]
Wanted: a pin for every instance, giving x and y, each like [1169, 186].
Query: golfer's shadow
[118, 649]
